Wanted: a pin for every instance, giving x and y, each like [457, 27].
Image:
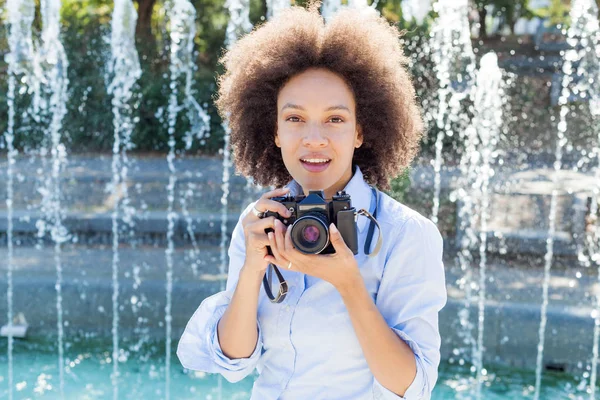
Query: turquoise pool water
[88, 369]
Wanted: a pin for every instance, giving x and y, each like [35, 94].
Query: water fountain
[593, 234]
[124, 70]
[593, 245]
[330, 7]
[454, 60]
[49, 105]
[40, 71]
[20, 60]
[415, 9]
[239, 23]
[452, 53]
[477, 168]
[182, 17]
[487, 122]
[274, 7]
[583, 39]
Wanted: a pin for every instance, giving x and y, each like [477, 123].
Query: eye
[336, 118]
[296, 118]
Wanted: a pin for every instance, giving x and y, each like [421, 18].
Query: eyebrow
[297, 107]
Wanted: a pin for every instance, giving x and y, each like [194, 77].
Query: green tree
[509, 12]
[556, 13]
[143, 29]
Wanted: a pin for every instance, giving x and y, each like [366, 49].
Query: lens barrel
[310, 233]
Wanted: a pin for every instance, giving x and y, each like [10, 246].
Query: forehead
[316, 87]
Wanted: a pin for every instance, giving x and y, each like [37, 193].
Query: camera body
[310, 219]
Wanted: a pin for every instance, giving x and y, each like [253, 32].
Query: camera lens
[310, 233]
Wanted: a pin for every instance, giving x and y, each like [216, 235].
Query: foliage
[86, 30]
[416, 45]
[399, 186]
[557, 13]
[507, 12]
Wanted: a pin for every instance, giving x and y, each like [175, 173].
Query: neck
[339, 185]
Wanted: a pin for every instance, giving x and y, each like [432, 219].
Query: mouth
[315, 164]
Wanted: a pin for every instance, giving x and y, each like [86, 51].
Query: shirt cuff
[230, 364]
[416, 390]
[199, 349]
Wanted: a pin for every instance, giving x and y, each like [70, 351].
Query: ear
[359, 137]
[277, 143]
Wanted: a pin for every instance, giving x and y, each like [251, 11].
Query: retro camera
[310, 219]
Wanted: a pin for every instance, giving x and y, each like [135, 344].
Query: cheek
[345, 148]
[287, 143]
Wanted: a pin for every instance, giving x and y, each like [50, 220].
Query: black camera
[310, 219]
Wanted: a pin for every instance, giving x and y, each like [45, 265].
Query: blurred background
[120, 196]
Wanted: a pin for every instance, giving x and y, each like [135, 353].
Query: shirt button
[287, 308]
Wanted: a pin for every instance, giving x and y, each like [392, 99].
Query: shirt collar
[357, 188]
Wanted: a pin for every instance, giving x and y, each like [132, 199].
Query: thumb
[337, 240]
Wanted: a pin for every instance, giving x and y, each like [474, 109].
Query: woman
[324, 107]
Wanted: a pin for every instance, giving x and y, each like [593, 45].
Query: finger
[264, 205]
[275, 192]
[256, 230]
[258, 241]
[260, 225]
[287, 243]
[280, 231]
[337, 240]
[300, 261]
[270, 259]
[279, 260]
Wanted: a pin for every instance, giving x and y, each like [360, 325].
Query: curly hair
[362, 48]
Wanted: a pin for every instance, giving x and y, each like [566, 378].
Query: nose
[314, 138]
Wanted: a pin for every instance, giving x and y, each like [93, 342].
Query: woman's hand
[254, 229]
[340, 269]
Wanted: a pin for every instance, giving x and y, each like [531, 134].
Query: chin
[318, 185]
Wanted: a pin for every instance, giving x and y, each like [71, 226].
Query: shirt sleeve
[411, 294]
[199, 348]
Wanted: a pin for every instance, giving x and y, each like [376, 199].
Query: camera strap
[283, 286]
[373, 221]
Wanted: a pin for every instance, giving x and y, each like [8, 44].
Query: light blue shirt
[307, 347]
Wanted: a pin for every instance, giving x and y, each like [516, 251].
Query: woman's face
[317, 131]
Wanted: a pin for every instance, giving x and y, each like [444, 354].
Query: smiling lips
[315, 164]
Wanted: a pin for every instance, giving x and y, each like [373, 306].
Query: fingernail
[333, 228]
[270, 235]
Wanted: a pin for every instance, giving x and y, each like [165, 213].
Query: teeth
[315, 160]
